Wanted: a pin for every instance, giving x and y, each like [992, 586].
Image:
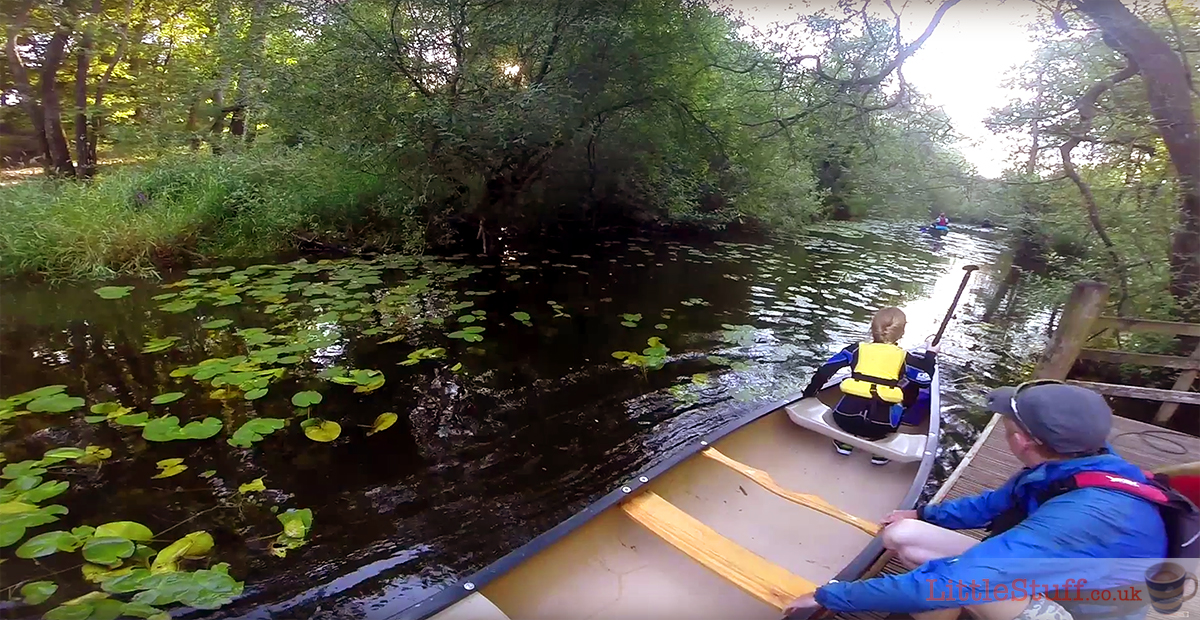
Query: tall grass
[129, 220]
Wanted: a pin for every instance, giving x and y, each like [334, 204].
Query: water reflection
[539, 421]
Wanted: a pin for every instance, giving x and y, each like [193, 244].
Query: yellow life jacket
[877, 373]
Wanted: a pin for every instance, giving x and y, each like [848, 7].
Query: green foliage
[222, 207]
[653, 357]
[255, 430]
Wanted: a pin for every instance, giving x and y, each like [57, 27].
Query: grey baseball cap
[1065, 418]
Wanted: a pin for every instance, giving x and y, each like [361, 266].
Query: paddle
[954, 304]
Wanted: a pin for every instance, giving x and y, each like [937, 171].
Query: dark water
[538, 421]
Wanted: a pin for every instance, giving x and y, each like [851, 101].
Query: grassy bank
[135, 219]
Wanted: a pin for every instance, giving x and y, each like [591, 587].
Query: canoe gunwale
[459, 590]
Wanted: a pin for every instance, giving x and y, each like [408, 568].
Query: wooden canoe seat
[814, 415]
[764, 480]
[758, 577]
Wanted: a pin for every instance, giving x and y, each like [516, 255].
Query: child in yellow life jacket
[879, 389]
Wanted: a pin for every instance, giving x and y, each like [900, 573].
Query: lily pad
[383, 422]
[46, 544]
[255, 430]
[167, 429]
[255, 394]
[65, 453]
[107, 550]
[217, 323]
[169, 397]
[194, 545]
[321, 430]
[178, 306]
[113, 292]
[125, 529]
[156, 345]
[306, 398]
[38, 592]
[170, 467]
[252, 486]
[93, 455]
[55, 403]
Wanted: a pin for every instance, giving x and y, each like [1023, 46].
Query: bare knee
[900, 534]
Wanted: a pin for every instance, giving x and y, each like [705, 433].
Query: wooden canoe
[729, 528]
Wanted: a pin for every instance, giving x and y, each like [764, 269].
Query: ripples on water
[542, 422]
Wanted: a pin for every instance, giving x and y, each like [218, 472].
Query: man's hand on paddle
[897, 515]
[805, 603]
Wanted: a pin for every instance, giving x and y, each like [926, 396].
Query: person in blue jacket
[1055, 430]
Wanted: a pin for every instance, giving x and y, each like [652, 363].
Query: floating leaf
[321, 430]
[169, 397]
[133, 419]
[252, 486]
[127, 529]
[107, 550]
[46, 544]
[167, 429]
[45, 491]
[660, 326]
[66, 453]
[383, 422]
[155, 345]
[306, 398]
[69, 612]
[194, 545]
[113, 292]
[177, 306]
[168, 468]
[94, 455]
[38, 592]
[55, 403]
[255, 394]
[217, 323]
[700, 379]
[208, 473]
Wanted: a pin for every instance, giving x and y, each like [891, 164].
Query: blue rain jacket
[1046, 547]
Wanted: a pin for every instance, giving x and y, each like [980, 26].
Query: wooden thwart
[758, 577]
[764, 480]
[1133, 391]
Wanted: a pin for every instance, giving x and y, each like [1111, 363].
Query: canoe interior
[611, 567]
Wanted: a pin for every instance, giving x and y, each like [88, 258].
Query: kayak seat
[814, 415]
[758, 577]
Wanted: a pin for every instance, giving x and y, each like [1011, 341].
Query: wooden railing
[1081, 320]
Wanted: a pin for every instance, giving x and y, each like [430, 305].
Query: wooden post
[1182, 384]
[1086, 303]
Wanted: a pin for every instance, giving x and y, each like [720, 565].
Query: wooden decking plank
[992, 465]
[758, 577]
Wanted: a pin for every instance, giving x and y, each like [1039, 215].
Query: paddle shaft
[962, 286]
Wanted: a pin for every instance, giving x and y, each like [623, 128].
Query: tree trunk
[217, 130]
[102, 85]
[1166, 80]
[193, 123]
[87, 167]
[25, 94]
[60, 151]
[242, 122]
